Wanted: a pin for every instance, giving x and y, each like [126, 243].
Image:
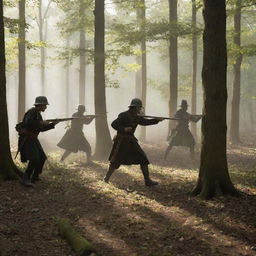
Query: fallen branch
[79, 244]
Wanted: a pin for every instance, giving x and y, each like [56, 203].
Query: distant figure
[126, 150]
[29, 145]
[181, 135]
[74, 139]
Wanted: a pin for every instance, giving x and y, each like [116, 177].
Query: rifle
[60, 119]
[167, 118]
[71, 118]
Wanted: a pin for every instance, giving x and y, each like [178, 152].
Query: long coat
[74, 139]
[126, 149]
[181, 135]
[28, 143]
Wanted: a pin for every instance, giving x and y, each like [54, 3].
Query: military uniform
[28, 143]
[74, 139]
[126, 149]
[181, 135]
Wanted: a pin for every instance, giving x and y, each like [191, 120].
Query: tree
[235, 107]
[82, 60]
[42, 23]
[173, 58]
[103, 139]
[22, 60]
[194, 65]
[213, 173]
[7, 167]
[142, 19]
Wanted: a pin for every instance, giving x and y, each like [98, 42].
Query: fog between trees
[58, 27]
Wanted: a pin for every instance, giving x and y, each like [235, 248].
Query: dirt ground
[125, 218]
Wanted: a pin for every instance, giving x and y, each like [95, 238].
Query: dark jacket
[29, 145]
[74, 139]
[126, 149]
[181, 135]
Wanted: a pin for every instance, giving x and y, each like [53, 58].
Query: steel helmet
[81, 108]
[41, 100]
[184, 103]
[136, 102]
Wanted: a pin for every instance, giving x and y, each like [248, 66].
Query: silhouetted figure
[29, 145]
[126, 150]
[74, 139]
[181, 135]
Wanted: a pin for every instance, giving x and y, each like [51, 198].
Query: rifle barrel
[168, 118]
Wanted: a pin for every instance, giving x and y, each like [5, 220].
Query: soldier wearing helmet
[28, 143]
[126, 150]
[74, 139]
[181, 135]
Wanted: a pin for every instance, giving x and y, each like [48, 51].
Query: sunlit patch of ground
[126, 218]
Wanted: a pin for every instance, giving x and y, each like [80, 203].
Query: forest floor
[125, 218]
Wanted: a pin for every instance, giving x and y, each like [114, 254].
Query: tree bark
[173, 59]
[67, 77]
[194, 67]
[138, 79]
[82, 73]
[7, 166]
[22, 61]
[143, 65]
[213, 173]
[235, 105]
[103, 139]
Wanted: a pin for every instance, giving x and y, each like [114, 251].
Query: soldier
[74, 139]
[126, 149]
[29, 145]
[181, 135]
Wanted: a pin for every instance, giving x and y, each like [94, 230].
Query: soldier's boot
[167, 152]
[65, 155]
[145, 172]
[192, 153]
[111, 169]
[35, 178]
[26, 181]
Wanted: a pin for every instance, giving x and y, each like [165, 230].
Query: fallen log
[79, 244]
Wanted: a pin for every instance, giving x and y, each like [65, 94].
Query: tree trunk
[82, 59]
[173, 59]
[67, 78]
[213, 173]
[143, 64]
[235, 105]
[42, 49]
[7, 167]
[138, 79]
[103, 139]
[22, 61]
[194, 67]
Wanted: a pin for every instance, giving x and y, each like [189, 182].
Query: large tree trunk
[42, 49]
[173, 59]
[194, 66]
[103, 139]
[82, 59]
[138, 79]
[213, 174]
[7, 167]
[235, 105]
[82, 69]
[143, 64]
[67, 78]
[22, 61]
